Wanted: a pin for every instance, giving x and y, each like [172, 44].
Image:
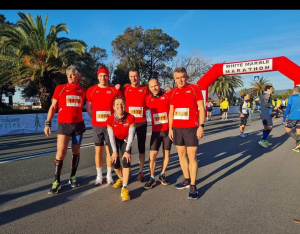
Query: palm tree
[258, 87]
[225, 86]
[30, 55]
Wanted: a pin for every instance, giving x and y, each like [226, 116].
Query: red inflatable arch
[281, 64]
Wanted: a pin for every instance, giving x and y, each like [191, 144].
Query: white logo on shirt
[67, 90]
[162, 98]
[140, 90]
[126, 124]
[177, 93]
[108, 91]
[189, 91]
[97, 91]
[115, 125]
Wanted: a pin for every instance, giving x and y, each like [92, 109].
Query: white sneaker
[109, 180]
[242, 135]
[98, 181]
[263, 144]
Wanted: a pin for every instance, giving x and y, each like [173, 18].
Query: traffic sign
[256, 78]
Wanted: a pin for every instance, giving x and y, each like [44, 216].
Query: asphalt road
[243, 187]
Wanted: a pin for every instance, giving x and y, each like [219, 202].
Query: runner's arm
[89, 108]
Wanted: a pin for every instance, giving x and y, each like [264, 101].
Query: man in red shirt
[186, 127]
[159, 106]
[135, 98]
[99, 106]
[69, 98]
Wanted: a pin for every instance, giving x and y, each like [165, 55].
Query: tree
[225, 86]
[195, 65]
[258, 87]
[30, 56]
[149, 50]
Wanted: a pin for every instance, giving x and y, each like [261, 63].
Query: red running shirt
[102, 103]
[159, 108]
[184, 101]
[120, 130]
[135, 101]
[70, 99]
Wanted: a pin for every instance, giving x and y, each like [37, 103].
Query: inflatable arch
[281, 64]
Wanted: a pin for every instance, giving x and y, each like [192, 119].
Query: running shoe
[109, 180]
[73, 182]
[297, 145]
[98, 181]
[55, 187]
[118, 183]
[242, 135]
[162, 179]
[150, 183]
[193, 193]
[140, 177]
[296, 150]
[263, 144]
[268, 143]
[125, 194]
[182, 185]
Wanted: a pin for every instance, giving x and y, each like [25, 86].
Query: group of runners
[117, 115]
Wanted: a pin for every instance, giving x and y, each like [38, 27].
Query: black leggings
[141, 133]
[121, 146]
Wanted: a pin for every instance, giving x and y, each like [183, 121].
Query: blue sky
[220, 35]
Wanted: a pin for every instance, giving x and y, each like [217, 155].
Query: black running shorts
[160, 137]
[185, 136]
[71, 129]
[100, 135]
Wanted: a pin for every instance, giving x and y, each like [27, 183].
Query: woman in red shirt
[121, 130]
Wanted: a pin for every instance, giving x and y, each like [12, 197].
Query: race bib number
[136, 111]
[101, 116]
[160, 118]
[73, 100]
[181, 113]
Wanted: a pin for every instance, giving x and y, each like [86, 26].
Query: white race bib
[101, 116]
[160, 118]
[72, 100]
[136, 111]
[181, 113]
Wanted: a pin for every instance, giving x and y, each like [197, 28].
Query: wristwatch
[201, 125]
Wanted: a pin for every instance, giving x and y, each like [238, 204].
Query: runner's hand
[127, 156]
[114, 157]
[47, 131]
[171, 134]
[200, 132]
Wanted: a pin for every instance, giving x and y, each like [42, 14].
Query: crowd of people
[117, 115]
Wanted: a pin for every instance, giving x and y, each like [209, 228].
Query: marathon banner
[262, 65]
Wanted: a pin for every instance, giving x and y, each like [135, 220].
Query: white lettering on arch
[249, 66]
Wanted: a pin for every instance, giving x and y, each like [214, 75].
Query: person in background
[186, 127]
[209, 104]
[121, 128]
[221, 108]
[253, 107]
[135, 100]
[266, 108]
[249, 107]
[225, 107]
[159, 106]
[293, 113]
[99, 107]
[244, 114]
[69, 98]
